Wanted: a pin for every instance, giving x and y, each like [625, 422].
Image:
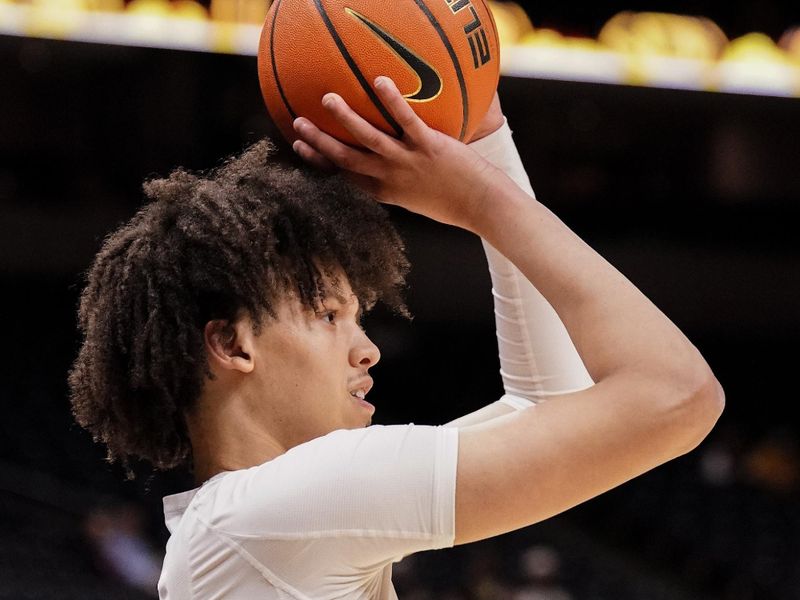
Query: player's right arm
[655, 397]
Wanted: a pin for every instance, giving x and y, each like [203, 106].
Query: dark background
[693, 196]
[736, 18]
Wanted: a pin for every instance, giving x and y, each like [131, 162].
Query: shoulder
[367, 447]
[370, 444]
[329, 483]
[372, 454]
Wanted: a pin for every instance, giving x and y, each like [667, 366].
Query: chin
[360, 425]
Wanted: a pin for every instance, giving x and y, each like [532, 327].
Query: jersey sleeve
[537, 357]
[352, 499]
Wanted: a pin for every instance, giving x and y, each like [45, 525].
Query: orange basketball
[442, 54]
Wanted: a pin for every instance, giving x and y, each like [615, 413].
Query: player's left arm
[537, 357]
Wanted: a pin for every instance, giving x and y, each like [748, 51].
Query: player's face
[311, 363]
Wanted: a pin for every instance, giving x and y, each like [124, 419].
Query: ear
[229, 345]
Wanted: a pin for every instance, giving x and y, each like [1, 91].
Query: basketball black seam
[494, 29]
[356, 71]
[275, 66]
[459, 74]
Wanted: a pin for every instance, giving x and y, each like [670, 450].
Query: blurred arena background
[669, 143]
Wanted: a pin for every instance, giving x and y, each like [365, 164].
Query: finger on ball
[362, 130]
[413, 127]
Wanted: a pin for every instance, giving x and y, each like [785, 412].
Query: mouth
[359, 392]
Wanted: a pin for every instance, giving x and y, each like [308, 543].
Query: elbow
[700, 409]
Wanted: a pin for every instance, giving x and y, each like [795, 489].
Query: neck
[225, 438]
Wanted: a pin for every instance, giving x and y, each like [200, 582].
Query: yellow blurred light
[55, 18]
[512, 22]
[179, 9]
[646, 48]
[553, 39]
[59, 4]
[224, 39]
[665, 49]
[756, 47]
[189, 9]
[254, 11]
[105, 5]
[547, 53]
[542, 37]
[753, 63]
[183, 22]
[149, 7]
[239, 11]
[664, 34]
[225, 10]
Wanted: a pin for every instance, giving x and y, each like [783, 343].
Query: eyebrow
[343, 301]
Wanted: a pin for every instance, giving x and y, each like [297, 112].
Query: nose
[364, 353]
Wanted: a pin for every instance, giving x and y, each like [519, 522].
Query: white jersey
[324, 520]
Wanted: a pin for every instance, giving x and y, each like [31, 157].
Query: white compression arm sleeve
[537, 357]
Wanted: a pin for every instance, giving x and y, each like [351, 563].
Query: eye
[330, 316]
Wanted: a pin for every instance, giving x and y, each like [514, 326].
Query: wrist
[493, 202]
[500, 150]
[493, 141]
[491, 121]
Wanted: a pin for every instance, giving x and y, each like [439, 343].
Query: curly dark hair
[209, 246]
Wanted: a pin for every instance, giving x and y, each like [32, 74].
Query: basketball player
[223, 331]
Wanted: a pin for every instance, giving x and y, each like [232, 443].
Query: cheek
[284, 359]
[302, 360]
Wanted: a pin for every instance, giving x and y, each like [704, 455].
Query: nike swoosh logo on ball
[430, 83]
